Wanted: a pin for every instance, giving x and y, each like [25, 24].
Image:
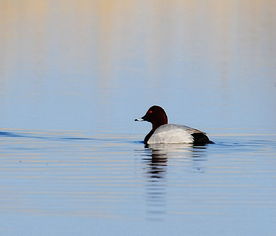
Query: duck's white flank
[171, 133]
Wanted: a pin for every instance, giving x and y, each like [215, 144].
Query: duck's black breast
[148, 136]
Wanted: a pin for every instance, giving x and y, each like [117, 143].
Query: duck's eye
[150, 111]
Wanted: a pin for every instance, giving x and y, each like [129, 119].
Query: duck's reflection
[157, 157]
[161, 158]
[156, 164]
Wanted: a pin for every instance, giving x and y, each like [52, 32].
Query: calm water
[75, 74]
[62, 182]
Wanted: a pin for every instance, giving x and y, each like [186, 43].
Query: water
[75, 75]
[74, 182]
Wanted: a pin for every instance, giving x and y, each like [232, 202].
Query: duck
[164, 133]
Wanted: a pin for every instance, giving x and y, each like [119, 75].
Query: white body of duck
[171, 133]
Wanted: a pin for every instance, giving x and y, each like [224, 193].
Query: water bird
[162, 132]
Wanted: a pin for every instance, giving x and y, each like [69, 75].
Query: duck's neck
[155, 125]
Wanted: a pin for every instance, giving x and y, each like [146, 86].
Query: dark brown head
[155, 115]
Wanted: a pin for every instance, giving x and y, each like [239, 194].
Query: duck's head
[155, 115]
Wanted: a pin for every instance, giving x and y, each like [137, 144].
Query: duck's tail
[201, 139]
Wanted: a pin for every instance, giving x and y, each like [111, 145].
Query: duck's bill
[139, 119]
